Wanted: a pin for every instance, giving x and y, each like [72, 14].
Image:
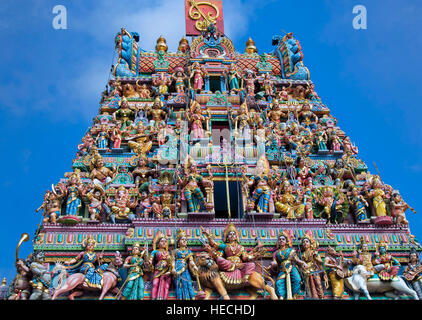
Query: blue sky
[51, 80]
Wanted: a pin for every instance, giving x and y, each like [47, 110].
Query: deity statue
[336, 263]
[364, 258]
[359, 205]
[313, 269]
[283, 94]
[378, 195]
[134, 289]
[140, 142]
[234, 262]
[129, 91]
[161, 82]
[41, 277]
[102, 138]
[51, 205]
[413, 272]
[304, 175]
[72, 191]
[20, 288]
[285, 262]
[304, 198]
[330, 202]
[286, 203]
[162, 262]
[276, 113]
[348, 147]
[261, 195]
[157, 113]
[184, 265]
[90, 264]
[242, 122]
[121, 205]
[191, 186]
[307, 118]
[124, 114]
[144, 92]
[233, 79]
[268, 84]
[142, 173]
[179, 77]
[321, 139]
[96, 205]
[385, 265]
[87, 143]
[335, 142]
[116, 136]
[198, 74]
[196, 118]
[100, 174]
[398, 208]
[250, 83]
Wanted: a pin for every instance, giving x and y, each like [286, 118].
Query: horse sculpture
[358, 283]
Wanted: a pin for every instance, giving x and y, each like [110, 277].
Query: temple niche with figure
[205, 153]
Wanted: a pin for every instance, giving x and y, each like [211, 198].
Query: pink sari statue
[161, 259]
[197, 119]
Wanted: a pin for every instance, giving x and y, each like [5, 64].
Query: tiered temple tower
[206, 136]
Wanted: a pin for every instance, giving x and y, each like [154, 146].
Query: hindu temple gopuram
[215, 172]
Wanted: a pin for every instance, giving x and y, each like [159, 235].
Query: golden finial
[183, 45]
[4, 282]
[250, 47]
[161, 45]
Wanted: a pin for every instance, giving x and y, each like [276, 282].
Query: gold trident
[196, 15]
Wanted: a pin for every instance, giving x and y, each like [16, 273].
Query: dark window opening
[215, 83]
[220, 200]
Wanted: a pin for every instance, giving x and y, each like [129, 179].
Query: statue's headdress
[230, 227]
[158, 236]
[286, 235]
[89, 240]
[179, 235]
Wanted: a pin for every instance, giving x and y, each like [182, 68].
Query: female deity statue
[233, 79]
[378, 195]
[85, 262]
[261, 196]
[142, 173]
[359, 205]
[162, 262]
[321, 139]
[184, 260]
[196, 118]
[198, 74]
[73, 192]
[102, 138]
[179, 78]
[313, 270]
[124, 114]
[87, 143]
[386, 266]
[116, 136]
[285, 262]
[303, 173]
[335, 142]
[348, 147]
[242, 122]
[234, 262]
[283, 94]
[140, 142]
[121, 205]
[413, 272]
[398, 208]
[286, 203]
[364, 257]
[134, 289]
[191, 186]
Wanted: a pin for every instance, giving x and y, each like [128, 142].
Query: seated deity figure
[276, 113]
[385, 265]
[124, 115]
[121, 205]
[234, 262]
[364, 257]
[307, 118]
[100, 174]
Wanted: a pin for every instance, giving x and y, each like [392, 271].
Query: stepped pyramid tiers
[203, 159]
